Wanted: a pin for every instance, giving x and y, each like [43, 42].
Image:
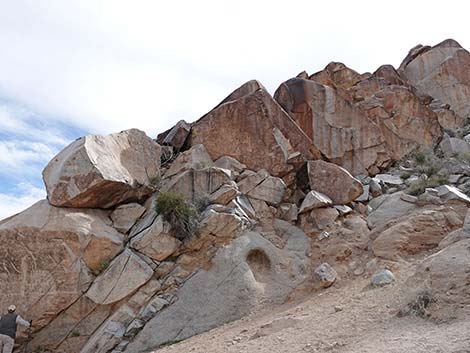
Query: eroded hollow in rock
[259, 263]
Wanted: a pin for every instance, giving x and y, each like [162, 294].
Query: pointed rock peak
[337, 75]
[389, 74]
[413, 54]
[247, 88]
[448, 43]
[303, 75]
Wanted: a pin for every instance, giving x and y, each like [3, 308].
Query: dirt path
[345, 319]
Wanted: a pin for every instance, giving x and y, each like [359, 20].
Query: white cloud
[21, 157]
[115, 64]
[24, 196]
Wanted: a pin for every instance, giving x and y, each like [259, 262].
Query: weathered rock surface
[418, 232]
[103, 171]
[125, 274]
[333, 181]
[442, 72]
[176, 136]
[195, 185]
[452, 146]
[48, 254]
[388, 207]
[270, 190]
[445, 273]
[125, 216]
[194, 158]
[315, 199]
[252, 128]
[156, 241]
[338, 129]
[245, 273]
[326, 275]
[382, 278]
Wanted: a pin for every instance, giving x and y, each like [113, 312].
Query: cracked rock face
[443, 72]
[103, 171]
[125, 274]
[338, 129]
[252, 128]
[47, 255]
[251, 265]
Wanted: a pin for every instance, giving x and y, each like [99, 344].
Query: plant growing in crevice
[178, 212]
[103, 265]
[75, 334]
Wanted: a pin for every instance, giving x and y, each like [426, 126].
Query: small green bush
[156, 181]
[75, 334]
[104, 265]
[419, 157]
[418, 187]
[406, 175]
[181, 215]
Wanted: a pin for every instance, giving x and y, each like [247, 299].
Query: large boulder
[361, 122]
[338, 129]
[197, 185]
[48, 255]
[445, 275]
[334, 182]
[388, 207]
[103, 171]
[246, 274]
[418, 232]
[443, 72]
[252, 128]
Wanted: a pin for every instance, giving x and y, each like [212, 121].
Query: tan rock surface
[45, 252]
[156, 241]
[252, 128]
[125, 274]
[334, 182]
[443, 72]
[419, 232]
[338, 129]
[103, 171]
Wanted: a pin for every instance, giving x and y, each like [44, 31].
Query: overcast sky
[69, 68]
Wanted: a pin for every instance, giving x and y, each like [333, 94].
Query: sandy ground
[346, 318]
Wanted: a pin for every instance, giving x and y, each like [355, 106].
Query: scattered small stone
[338, 308]
[323, 235]
[382, 278]
[326, 274]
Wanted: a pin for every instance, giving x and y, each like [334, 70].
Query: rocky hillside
[339, 177]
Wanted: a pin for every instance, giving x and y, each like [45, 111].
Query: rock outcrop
[441, 71]
[252, 128]
[103, 171]
[49, 257]
[142, 243]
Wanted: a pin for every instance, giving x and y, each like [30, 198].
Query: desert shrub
[181, 214]
[406, 175]
[156, 181]
[75, 334]
[202, 202]
[419, 157]
[418, 306]
[418, 187]
[463, 157]
[465, 129]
